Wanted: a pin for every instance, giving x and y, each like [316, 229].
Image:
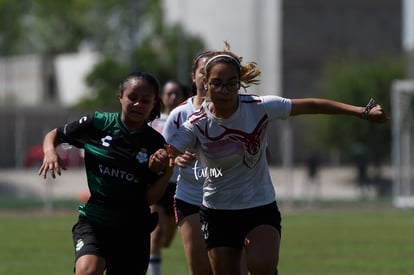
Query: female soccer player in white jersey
[229, 134]
[189, 193]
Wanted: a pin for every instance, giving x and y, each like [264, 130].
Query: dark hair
[155, 112]
[195, 66]
[197, 59]
[180, 85]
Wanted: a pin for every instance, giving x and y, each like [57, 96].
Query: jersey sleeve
[277, 107]
[172, 124]
[76, 132]
[183, 138]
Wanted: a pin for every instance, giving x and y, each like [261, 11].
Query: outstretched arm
[371, 112]
[51, 160]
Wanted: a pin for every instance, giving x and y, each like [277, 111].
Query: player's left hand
[377, 114]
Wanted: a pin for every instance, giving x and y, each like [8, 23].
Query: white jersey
[233, 151]
[190, 181]
[159, 124]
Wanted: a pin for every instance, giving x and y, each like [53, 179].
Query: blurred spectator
[359, 153]
[314, 184]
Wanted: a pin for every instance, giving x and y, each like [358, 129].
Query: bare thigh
[262, 250]
[169, 230]
[225, 260]
[157, 234]
[194, 247]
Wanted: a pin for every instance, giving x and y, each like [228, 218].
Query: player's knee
[167, 241]
[262, 266]
[89, 265]
[88, 270]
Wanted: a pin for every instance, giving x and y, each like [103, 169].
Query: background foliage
[133, 35]
[355, 82]
[129, 35]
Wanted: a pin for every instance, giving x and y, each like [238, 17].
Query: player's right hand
[52, 163]
[186, 159]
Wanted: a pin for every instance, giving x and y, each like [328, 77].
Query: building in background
[319, 31]
[292, 40]
[35, 80]
[71, 71]
[34, 91]
[26, 80]
[251, 27]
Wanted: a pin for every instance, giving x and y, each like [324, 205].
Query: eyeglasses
[230, 86]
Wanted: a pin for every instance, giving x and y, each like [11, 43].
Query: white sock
[154, 267]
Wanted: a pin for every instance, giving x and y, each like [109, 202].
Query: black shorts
[184, 209]
[167, 199]
[230, 227]
[125, 250]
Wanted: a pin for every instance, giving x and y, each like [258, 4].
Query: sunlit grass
[324, 241]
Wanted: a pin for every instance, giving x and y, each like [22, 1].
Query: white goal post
[402, 100]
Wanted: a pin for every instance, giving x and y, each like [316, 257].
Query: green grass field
[329, 241]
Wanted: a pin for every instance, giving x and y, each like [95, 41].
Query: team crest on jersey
[250, 160]
[142, 155]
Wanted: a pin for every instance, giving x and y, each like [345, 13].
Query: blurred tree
[104, 80]
[53, 27]
[42, 26]
[355, 82]
[156, 54]
[11, 28]
[129, 34]
[164, 50]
